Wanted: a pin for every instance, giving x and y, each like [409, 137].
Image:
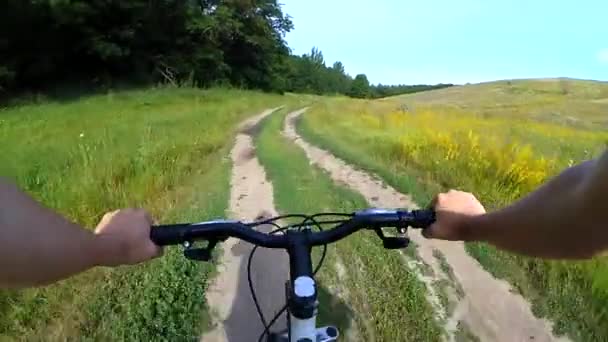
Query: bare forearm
[565, 218]
[37, 246]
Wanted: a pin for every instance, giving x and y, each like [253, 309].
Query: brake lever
[393, 242]
[201, 254]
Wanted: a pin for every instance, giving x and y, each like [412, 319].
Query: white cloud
[602, 56]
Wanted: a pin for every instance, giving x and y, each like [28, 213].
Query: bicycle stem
[302, 289]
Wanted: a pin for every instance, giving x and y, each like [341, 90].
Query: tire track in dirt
[338, 289]
[251, 197]
[487, 306]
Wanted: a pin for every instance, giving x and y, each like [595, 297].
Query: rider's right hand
[454, 210]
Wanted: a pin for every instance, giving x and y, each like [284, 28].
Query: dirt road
[228, 297]
[484, 305]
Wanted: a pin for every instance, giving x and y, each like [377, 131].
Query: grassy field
[376, 292]
[162, 149]
[165, 149]
[576, 103]
[498, 140]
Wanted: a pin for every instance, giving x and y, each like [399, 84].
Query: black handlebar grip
[423, 218]
[172, 234]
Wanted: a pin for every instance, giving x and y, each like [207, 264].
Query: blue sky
[431, 41]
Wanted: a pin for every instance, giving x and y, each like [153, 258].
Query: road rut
[233, 312]
[486, 305]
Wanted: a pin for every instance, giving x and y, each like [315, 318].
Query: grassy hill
[499, 140]
[577, 102]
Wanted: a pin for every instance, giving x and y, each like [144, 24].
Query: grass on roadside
[429, 148]
[162, 149]
[387, 302]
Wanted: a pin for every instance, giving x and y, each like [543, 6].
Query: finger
[148, 217]
[109, 215]
[154, 251]
[433, 202]
[437, 231]
[438, 200]
[431, 231]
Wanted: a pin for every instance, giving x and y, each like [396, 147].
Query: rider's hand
[454, 211]
[124, 237]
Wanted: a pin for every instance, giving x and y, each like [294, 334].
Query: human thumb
[434, 231]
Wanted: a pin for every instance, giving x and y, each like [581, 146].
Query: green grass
[383, 298]
[163, 149]
[460, 138]
[347, 145]
[164, 299]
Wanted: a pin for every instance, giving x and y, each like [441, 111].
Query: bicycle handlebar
[301, 304]
[221, 230]
[213, 230]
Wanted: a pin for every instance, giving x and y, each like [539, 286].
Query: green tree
[381, 90]
[206, 41]
[340, 80]
[360, 87]
[309, 74]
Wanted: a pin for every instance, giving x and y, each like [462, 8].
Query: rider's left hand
[124, 238]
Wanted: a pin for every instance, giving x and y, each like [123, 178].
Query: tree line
[203, 42]
[308, 73]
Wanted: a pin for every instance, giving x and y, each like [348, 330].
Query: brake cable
[315, 223]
